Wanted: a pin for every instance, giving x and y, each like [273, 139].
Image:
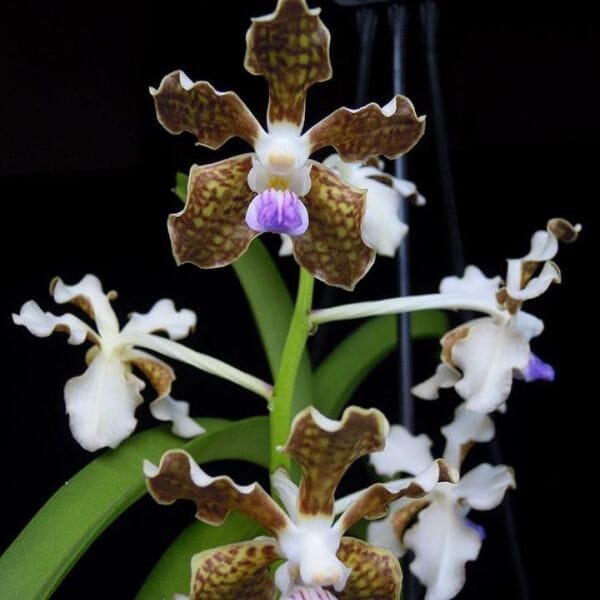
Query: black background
[85, 178]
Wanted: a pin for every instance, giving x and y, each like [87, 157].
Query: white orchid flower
[443, 539]
[381, 227]
[320, 562]
[480, 358]
[101, 402]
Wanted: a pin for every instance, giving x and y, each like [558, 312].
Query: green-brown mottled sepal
[212, 116]
[332, 249]
[178, 477]
[235, 572]
[369, 131]
[290, 48]
[211, 230]
[376, 573]
[325, 449]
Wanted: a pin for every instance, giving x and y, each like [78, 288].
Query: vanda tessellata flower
[480, 358]
[319, 561]
[381, 228]
[101, 402]
[277, 188]
[442, 538]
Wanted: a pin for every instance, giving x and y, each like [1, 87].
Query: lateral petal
[212, 116]
[178, 477]
[163, 316]
[358, 134]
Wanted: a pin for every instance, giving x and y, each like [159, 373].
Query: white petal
[381, 533]
[487, 357]
[403, 453]
[177, 411]
[91, 290]
[442, 544]
[484, 486]
[43, 324]
[443, 378]
[473, 283]
[529, 325]
[536, 286]
[287, 491]
[544, 246]
[258, 178]
[466, 427]
[286, 248]
[101, 403]
[381, 227]
[163, 316]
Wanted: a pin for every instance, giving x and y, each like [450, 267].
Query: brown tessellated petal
[212, 116]
[159, 374]
[332, 249]
[211, 230]
[369, 131]
[290, 48]
[215, 498]
[373, 503]
[376, 573]
[325, 454]
[235, 572]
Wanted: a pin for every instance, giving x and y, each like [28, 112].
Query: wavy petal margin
[325, 449]
[178, 477]
[290, 49]
[358, 134]
[197, 108]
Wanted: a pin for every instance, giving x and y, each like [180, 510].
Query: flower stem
[390, 306]
[204, 362]
[285, 383]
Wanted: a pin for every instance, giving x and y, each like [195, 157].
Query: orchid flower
[277, 188]
[382, 229]
[101, 403]
[319, 561]
[443, 539]
[480, 358]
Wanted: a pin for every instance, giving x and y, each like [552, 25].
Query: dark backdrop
[85, 178]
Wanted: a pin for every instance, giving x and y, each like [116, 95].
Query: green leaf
[52, 542]
[347, 365]
[180, 189]
[171, 574]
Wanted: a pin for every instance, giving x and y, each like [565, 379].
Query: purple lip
[537, 369]
[277, 211]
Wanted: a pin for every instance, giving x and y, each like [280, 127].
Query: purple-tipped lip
[277, 211]
[479, 529]
[537, 369]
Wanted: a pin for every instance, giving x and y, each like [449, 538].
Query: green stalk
[283, 393]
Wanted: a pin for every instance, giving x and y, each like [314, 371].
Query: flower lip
[277, 211]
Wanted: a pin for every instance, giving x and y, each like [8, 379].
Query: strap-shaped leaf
[171, 574]
[347, 365]
[80, 510]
